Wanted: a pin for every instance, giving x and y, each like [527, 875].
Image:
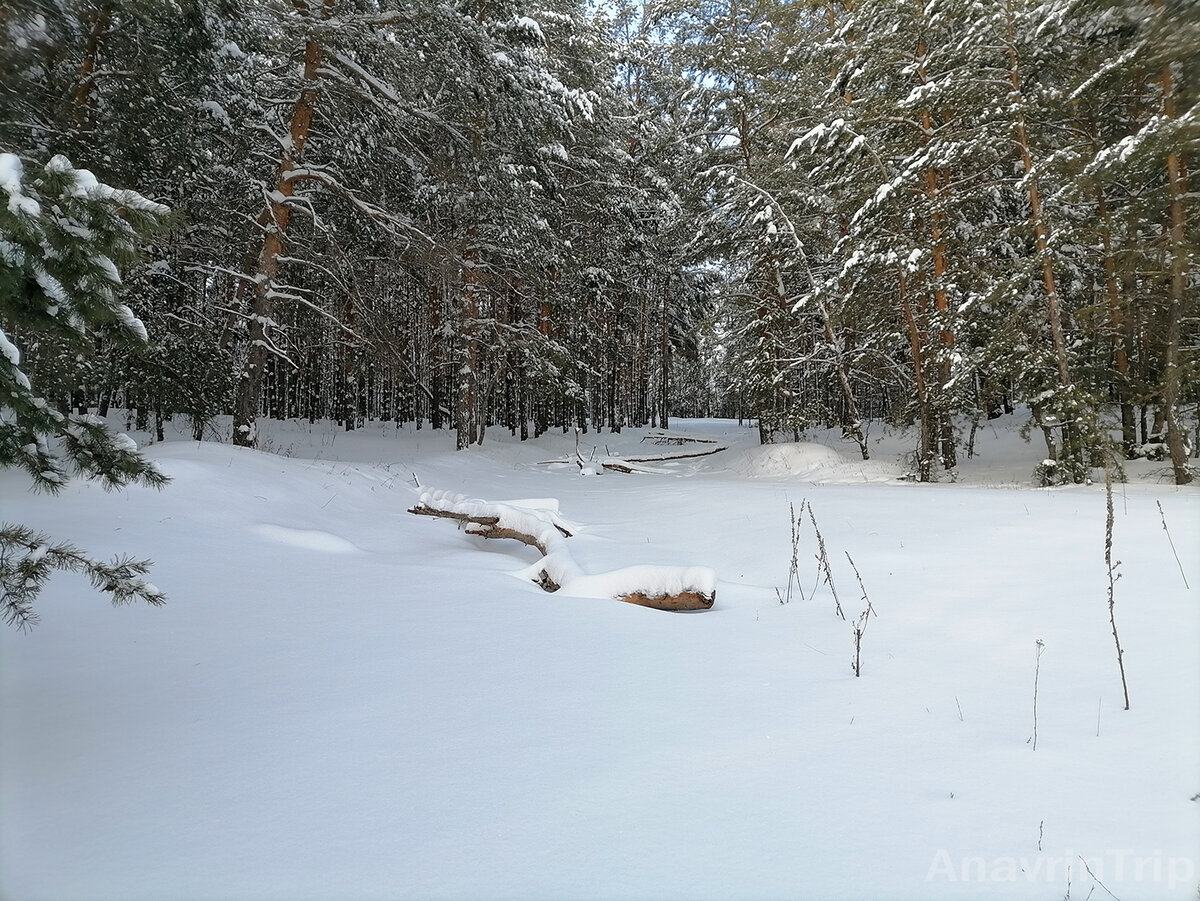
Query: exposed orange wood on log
[685, 600]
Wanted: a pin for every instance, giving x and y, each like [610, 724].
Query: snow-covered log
[663, 438]
[487, 526]
[684, 456]
[660, 587]
[614, 464]
[685, 600]
[623, 464]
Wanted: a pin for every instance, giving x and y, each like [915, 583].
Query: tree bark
[664, 387]
[85, 82]
[941, 426]
[467, 425]
[275, 220]
[924, 412]
[1072, 428]
[1116, 323]
[1177, 181]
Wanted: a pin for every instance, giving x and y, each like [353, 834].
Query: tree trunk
[437, 354]
[1177, 182]
[664, 387]
[466, 396]
[85, 82]
[1071, 428]
[274, 223]
[941, 426]
[1116, 323]
[924, 412]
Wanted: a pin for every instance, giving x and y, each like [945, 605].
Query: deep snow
[344, 701]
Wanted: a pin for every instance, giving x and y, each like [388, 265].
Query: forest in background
[553, 215]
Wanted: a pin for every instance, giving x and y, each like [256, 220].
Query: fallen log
[685, 600]
[626, 467]
[659, 457]
[487, 526]
[661, 438]
[422, 510]
[616, 463]
[661, 587]
[614, 466]
[499, 532]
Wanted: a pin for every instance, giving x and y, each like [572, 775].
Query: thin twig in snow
[1037, 666]
[1097, 881]
[1173, 551]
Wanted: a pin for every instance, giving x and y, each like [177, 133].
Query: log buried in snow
[493, 525]
[685, 600]
[619, 464]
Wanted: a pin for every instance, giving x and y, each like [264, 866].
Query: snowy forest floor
[344, 701]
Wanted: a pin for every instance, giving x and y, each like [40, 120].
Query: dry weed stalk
[1113, 575]
[860, 624]
[1037, 668]
[823, 566]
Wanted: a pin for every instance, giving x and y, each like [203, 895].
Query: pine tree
[63, 235]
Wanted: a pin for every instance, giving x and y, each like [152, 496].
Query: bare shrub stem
[1037, 668]
[823, 567]
[1113, 575]
[797, 521]
[860, 624]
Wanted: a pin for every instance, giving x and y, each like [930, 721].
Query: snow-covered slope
[344, 701]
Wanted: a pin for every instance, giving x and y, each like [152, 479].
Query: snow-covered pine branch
[28, 559]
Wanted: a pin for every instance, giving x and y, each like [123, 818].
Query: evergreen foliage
[531, 214]
[63, 234]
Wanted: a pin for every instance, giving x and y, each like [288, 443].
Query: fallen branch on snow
[660, 587]
[616, 463]
[658, 457]
[663, 438]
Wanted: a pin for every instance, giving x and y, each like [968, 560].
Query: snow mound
[804, 459]
[306, 539]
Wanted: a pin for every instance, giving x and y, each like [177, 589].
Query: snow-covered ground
[344, 701]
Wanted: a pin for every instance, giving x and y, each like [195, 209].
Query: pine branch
[29, 558]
